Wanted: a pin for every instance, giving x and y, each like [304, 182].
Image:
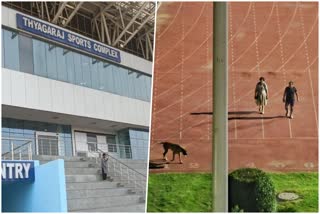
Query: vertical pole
[220, 97]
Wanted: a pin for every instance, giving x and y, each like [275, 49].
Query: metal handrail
[129, 172]
[17, 147]
[12, 152]
[122, 163]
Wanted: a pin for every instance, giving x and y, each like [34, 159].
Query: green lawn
[304, 184]
[192, 192]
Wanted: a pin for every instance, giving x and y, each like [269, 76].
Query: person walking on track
[261, 94]
[289, 99]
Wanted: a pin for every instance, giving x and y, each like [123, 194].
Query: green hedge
[251, 190]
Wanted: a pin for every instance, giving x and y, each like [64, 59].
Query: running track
[183, 84]
[277, 40]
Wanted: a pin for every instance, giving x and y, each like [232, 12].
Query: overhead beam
[103, 10]
[130, 23]
[142, 48]
[121, 17]
[73, 13]
[149, 44]
[103, 19]
[56, 17]
[47, 11]
[97, 29]
[138, 29]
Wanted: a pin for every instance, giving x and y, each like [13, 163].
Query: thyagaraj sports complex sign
[17, 171]
[66, 37]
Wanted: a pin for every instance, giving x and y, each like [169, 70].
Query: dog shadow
[241, 112]
[255, 118]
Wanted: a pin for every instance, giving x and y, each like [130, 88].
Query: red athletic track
[183, 84]
[280, 42]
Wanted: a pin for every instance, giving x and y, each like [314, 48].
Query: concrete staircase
[87, 192]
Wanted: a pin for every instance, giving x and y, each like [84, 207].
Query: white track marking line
[257, 52]
[258, 35]
[308, 63]
[195, 50]
[185, 35]
[181, 77]
[282, 59]
[209, 76]
[171, 21]
[233, 73]
[243, 21]
[294, 53]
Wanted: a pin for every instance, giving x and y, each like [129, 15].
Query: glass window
[39, 58]
[86, 72]
[51, 59]
[92, 142]
[95, 73]
[124, 81]
[131, 84]
[145, 87]
[111, 141]
[62, 71]
[44, 59]
[117, 80]
[140, 85]
[149, 87]
[52, 127]
[78, 69]
[108, 77]
[2, 48]
[11, 50]
[70, 67]
[25, 54]
[29, 127]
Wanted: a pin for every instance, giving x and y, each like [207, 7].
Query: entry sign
[17, 171]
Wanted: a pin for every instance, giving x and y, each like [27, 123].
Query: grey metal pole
[220, 114]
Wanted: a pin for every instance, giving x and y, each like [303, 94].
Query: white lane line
[282, 68]
[181, 77]
[257, 52]
[209, 76]
[172, 21]
[233, 73]
[308, 63]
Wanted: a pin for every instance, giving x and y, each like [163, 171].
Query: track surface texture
[182, 85]
[279, 41]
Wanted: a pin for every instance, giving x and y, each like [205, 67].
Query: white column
[220, 114]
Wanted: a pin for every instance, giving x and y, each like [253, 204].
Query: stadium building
[76, 82]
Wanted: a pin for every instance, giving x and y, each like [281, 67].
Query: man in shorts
[289, 99]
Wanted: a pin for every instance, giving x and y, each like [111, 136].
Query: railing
[17, 152]
[127, 175]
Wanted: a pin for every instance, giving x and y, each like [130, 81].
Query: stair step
[129, 208]
[96, 202]
[90, 185]
[83, 178]
[80, 164]
[103, 192]
[82, 171]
